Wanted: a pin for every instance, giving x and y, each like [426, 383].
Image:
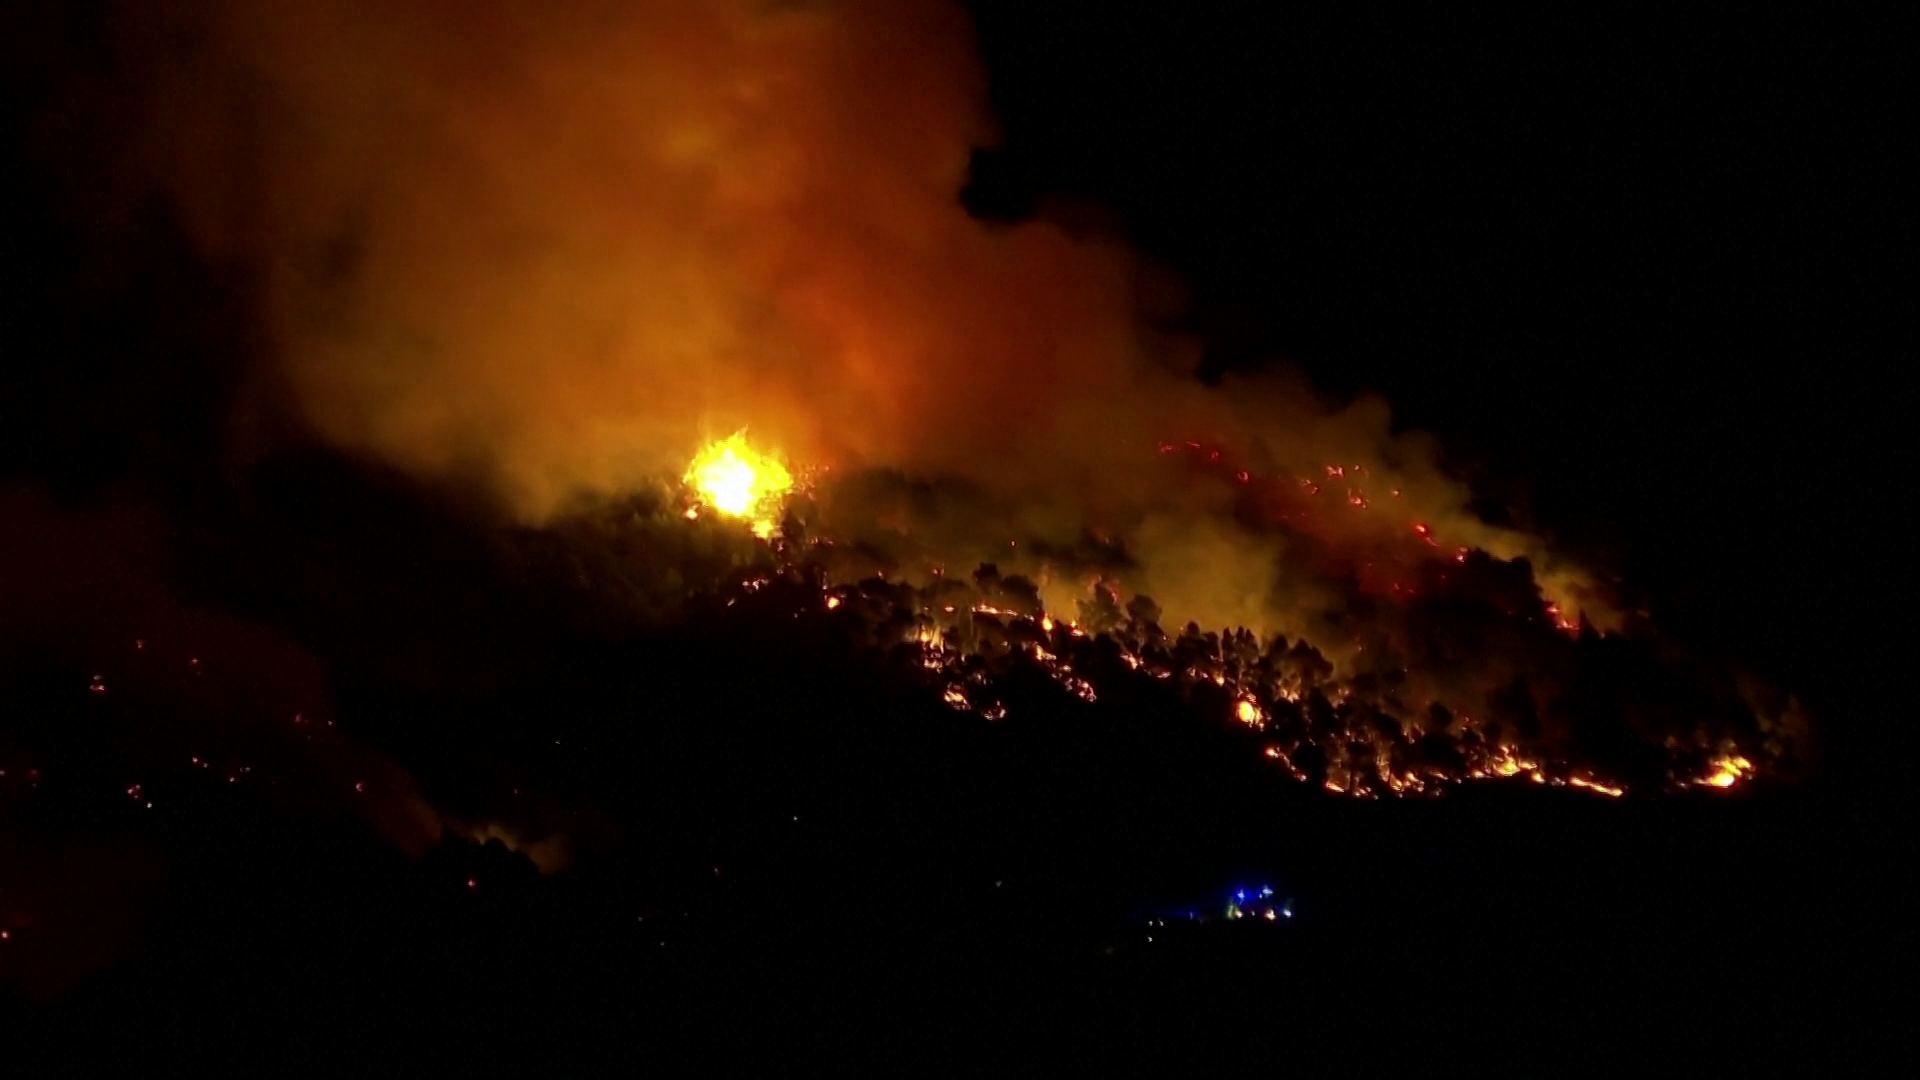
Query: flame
[1728, 771]
[741, 482]
[1506, 763]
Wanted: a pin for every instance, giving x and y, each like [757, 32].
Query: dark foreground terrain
[766, 848]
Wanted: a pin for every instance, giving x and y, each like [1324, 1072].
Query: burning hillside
[1441, 664]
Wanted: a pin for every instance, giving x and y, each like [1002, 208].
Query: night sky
[278, 657]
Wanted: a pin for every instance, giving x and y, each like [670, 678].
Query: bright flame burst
[741, 482]
[1728, 771]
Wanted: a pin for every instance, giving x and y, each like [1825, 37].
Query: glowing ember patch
[740, 482]
[1560, 620]
[1247, 713]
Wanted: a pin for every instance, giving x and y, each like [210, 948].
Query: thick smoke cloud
[561, 245]
[569, 243]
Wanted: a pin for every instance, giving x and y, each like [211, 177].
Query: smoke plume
[560, 246]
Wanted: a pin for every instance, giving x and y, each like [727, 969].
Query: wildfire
[1352, 734]
[741, 482]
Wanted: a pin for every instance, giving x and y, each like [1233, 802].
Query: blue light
[1240, 895]
[1266, 891]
